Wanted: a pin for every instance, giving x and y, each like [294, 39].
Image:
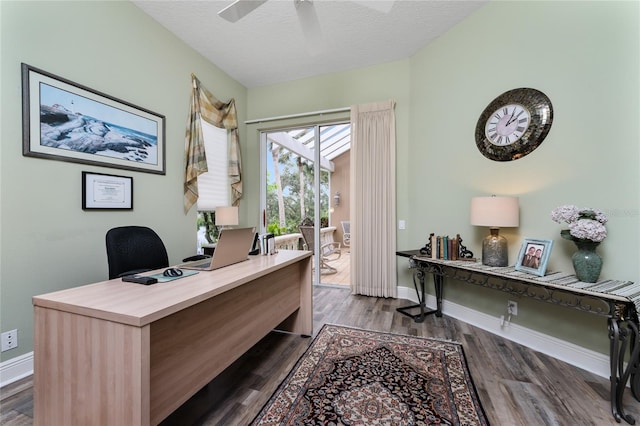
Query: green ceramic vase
[586, 262]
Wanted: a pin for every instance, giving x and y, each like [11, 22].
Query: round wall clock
[514, 124]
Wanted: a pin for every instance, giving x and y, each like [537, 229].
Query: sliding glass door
[297, 198]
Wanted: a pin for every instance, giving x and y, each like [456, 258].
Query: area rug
[350, 376]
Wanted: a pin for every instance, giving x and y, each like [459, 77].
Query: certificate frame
[106, 192]
[66, 121]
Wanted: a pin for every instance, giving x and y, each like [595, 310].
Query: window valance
[205, 106]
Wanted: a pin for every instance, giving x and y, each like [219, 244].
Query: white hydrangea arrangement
[585, 224]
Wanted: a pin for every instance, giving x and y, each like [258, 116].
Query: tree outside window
[290, 192]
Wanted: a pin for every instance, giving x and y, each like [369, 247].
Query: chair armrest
[330, 249]
[336, 244]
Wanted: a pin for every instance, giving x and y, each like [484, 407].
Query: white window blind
[213, 186]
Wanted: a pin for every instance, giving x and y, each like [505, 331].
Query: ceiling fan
[239, 9]
[306, 15]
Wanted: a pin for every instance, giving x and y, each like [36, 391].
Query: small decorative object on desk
[446, 248]
[587, 231]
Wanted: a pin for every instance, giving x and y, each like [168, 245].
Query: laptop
[233, 246]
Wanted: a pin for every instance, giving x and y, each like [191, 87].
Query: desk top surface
[138, 304]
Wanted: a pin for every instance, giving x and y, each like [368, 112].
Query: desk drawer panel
[89, 371]
[192, 346]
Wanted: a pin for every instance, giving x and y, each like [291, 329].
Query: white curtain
[373, 199]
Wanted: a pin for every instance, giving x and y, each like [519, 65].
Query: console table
[118, 353]
[619, 301]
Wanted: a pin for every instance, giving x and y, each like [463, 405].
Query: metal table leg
[438, 282]
[620, 338]
[634, 381]
[420, 275]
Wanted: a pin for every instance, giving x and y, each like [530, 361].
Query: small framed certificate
[106, 192]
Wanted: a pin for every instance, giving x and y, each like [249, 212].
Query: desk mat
[163, 279]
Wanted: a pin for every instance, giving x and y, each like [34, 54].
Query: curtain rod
[302, 114]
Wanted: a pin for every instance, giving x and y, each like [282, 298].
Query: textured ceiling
[269, 46]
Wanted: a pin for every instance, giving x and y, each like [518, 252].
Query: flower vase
[586, 262]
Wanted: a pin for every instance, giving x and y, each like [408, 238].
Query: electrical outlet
[9, 340]
[512, 307]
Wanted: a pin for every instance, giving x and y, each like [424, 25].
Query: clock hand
[512, 117]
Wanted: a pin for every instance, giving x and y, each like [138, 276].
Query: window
[213, 186]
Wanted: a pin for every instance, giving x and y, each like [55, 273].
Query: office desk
[617, 300]
[116, 353]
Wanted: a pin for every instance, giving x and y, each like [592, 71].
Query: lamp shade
[226, 216]
[495, 212]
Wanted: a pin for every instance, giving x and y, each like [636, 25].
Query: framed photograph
[106, 192]
[534, 255]
[65, 121]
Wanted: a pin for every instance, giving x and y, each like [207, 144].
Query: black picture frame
[66, 121]
[106, 192]
[541, 250]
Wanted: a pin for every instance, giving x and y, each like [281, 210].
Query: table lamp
[495, 212]
[226, 216]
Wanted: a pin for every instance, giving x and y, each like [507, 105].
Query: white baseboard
[22, 366]
[16, 368]
[570, 353]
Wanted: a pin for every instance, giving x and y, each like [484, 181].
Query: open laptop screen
[233, 246]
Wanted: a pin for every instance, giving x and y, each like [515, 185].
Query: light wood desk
[116, 353]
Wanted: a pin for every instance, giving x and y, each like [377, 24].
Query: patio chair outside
[346, 233]
[328, 251]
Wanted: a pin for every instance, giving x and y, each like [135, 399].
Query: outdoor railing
[288, 242]
[295, 242]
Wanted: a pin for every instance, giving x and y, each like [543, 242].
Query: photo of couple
[534, 255]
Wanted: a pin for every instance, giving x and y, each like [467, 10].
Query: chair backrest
[133, 249]
[346, 227]
[308, 237]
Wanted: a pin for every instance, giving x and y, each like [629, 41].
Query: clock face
[514, 124]
[507, 124]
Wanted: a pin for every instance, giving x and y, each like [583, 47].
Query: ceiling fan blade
[239, 9]
[383, 6]
[310, 26]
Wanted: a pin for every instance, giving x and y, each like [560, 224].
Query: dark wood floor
[517, 386]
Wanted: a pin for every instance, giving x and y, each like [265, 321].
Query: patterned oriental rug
[350, 376]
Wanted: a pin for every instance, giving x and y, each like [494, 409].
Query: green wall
[47, 241]
[585, 57]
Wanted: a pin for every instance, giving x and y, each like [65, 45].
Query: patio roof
[335, 139]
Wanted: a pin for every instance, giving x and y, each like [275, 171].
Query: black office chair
[136, 249]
